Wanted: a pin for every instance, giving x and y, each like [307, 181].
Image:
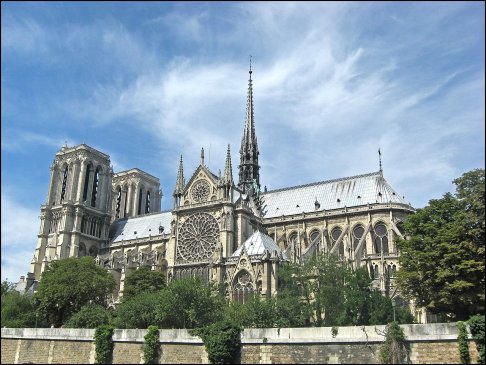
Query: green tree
[335, 294]
[90, 316]
[140, 311]
[7, 287]
[143, 280]
[184, 303]
[17, 310]
[190, 303]
[442, 261]
[69, 284]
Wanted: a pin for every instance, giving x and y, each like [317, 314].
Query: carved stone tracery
[198, 238]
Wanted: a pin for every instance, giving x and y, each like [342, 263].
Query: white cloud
[20, 227]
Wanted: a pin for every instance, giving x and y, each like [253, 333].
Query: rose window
[200, 191]
[198, 238]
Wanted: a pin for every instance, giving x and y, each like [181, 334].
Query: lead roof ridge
[321, 182]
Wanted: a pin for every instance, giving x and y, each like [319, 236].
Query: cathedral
[233, 233]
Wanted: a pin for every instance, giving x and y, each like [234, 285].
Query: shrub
[104, 344]
[393, 350]
[462, 340]
[89, 316]
[151, 346]
[476, 326]
[222, 340]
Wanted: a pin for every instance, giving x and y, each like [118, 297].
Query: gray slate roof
[351, 191]
[257, 244]
[143, 226]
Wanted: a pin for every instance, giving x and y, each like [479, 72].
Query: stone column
[74, 181]
[137, 198]
[130, 200]
[52, 185]
[82, 177]
[100, 192]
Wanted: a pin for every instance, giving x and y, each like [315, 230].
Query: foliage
[7, 287]
[69, 284]
[185, 303]
[222, 340]
[462, 341]
[335, 294]
[89, 316]
[138, 311]
[142, 280]
[393, 351]
[151, 346]
[189, 303]
[17, 310]
[442, 262]
[476, 326]
[104, 344]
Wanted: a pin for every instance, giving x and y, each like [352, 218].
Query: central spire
[249, 168]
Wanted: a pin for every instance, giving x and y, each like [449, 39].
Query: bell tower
[76, 216]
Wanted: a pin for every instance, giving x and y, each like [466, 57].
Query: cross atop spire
[250, 67]
[202, 156]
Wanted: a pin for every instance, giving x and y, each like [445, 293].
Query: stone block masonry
[427, 343]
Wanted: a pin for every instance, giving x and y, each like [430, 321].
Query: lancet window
[243, 287]
[335, 234]
[380, 239]
[147, 202]
[64, 183]
[358, 233]
[94, 191]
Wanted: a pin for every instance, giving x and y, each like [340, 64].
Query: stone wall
[427, 344]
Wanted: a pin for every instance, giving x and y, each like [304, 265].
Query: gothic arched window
[118, 202]
[64, 183]
[147, 202]
[335, 234]
[358, 233]
[243, 287]
[140, 199]
[94, 190]
[89, 170]
[315, 237]
[380, 239]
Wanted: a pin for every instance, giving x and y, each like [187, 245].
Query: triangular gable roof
[332, 194]
[194, 176]
[257, 244]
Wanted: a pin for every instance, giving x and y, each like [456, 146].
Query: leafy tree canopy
[336, 294]
[90, 316]
[69, 284]
[17, 310]
[142, 280]
[185, 303]
[442, 261]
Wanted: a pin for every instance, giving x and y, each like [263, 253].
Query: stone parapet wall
[427, 343]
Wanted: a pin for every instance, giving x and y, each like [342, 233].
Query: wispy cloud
[333, 82]
[19, 231]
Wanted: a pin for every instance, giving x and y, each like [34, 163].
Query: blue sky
[147, 82]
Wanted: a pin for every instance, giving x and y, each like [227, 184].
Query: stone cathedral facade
[234, 233]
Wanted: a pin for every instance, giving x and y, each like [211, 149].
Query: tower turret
[180, 183]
